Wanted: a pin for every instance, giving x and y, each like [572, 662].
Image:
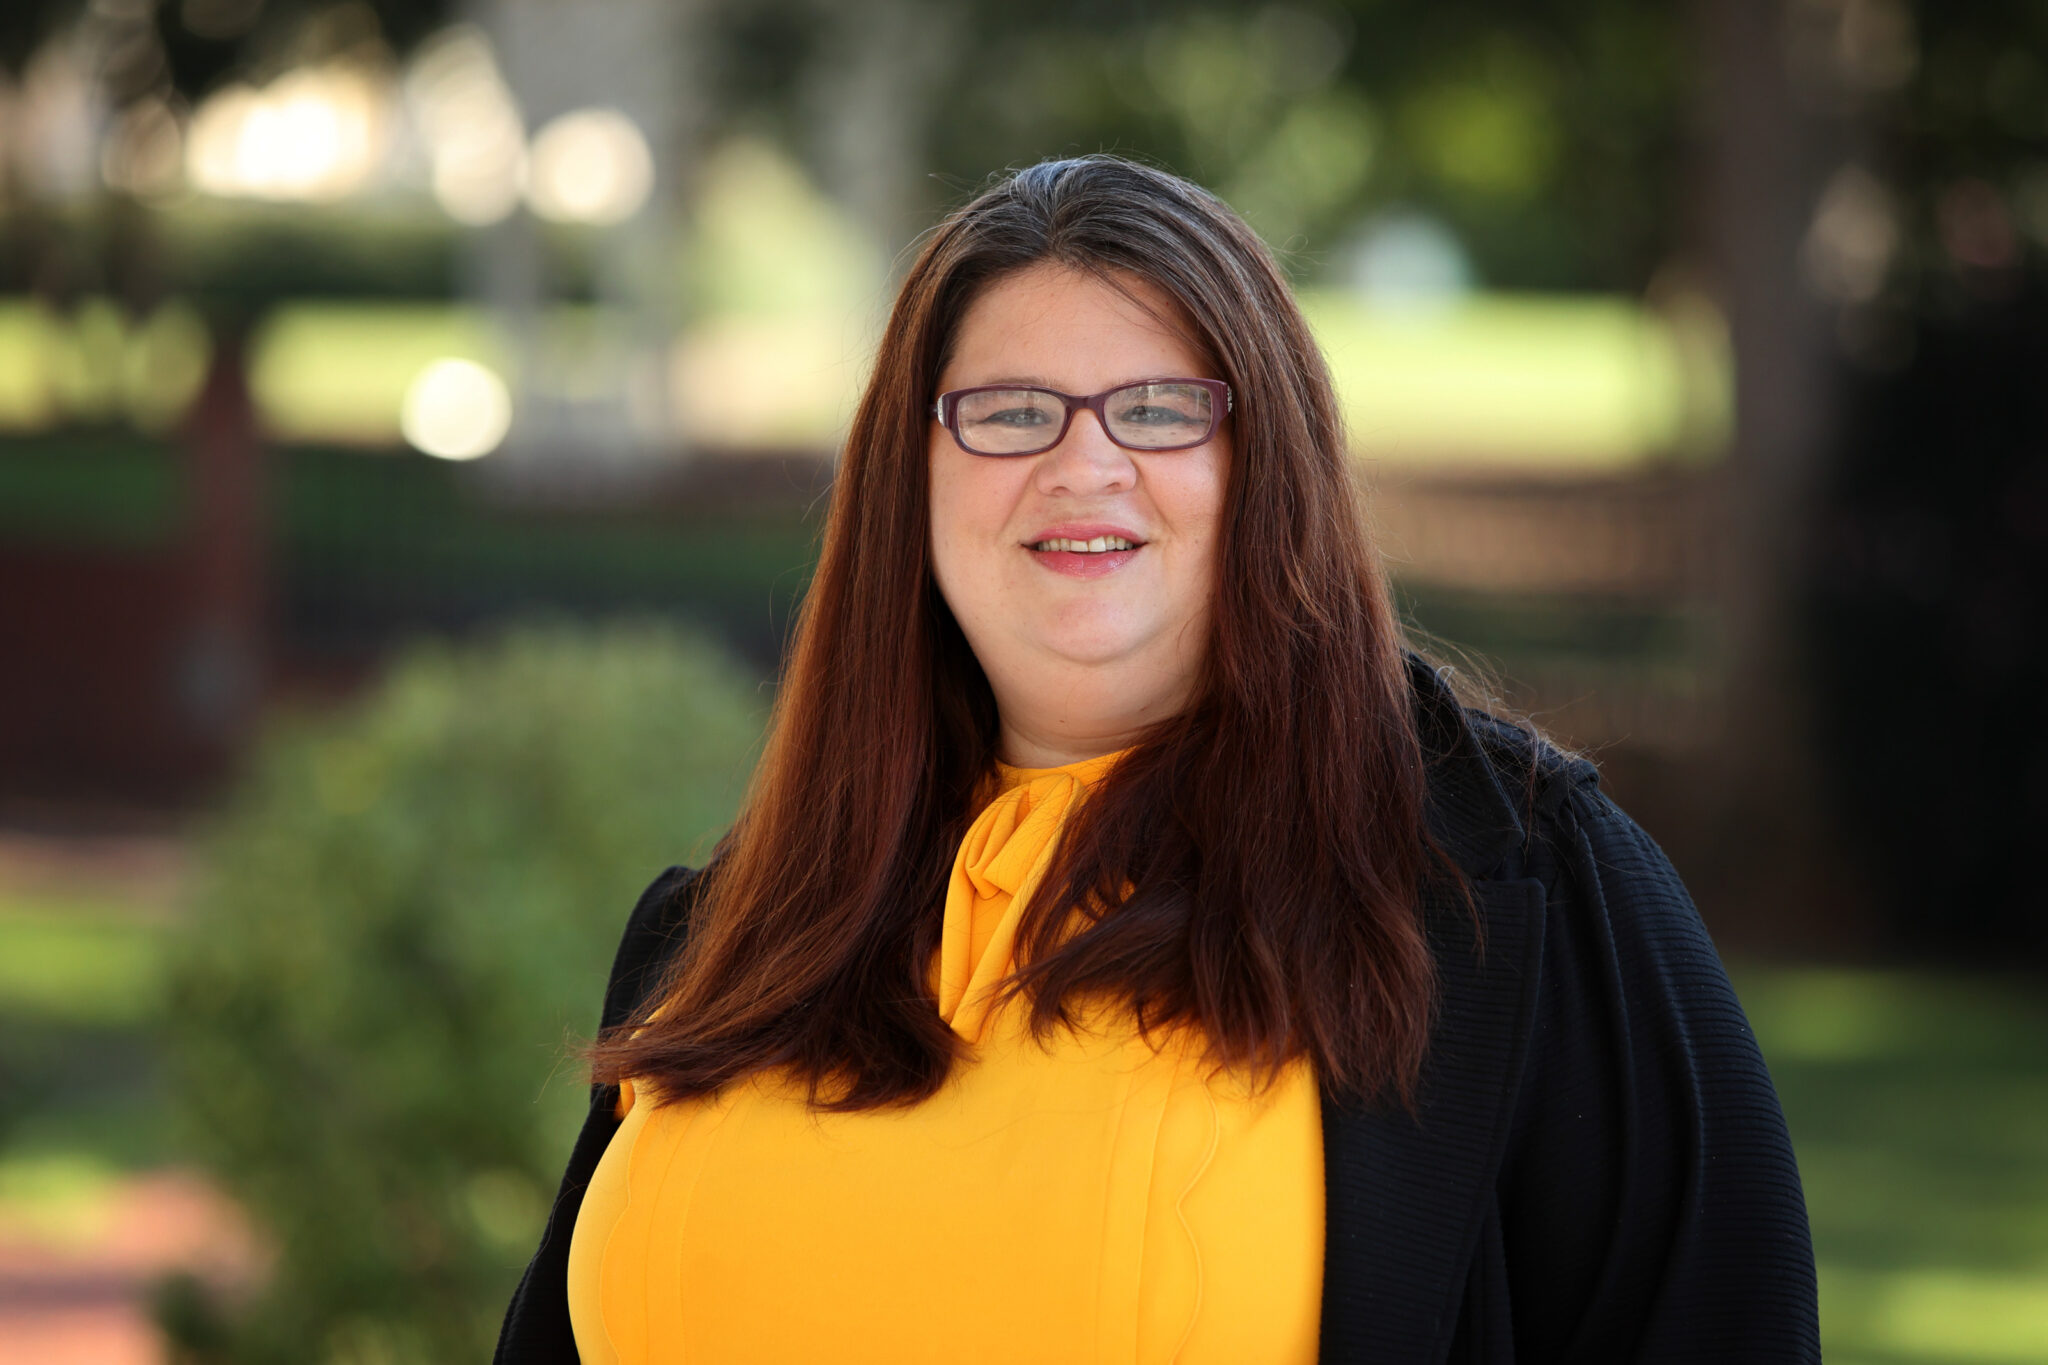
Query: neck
[1023, 751]
[1094, 716]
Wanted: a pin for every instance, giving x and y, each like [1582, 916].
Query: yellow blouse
[1097, 1200]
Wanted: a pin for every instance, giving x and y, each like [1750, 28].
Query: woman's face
[1105, 639]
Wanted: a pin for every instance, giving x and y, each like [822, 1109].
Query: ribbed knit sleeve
[1650, 1206]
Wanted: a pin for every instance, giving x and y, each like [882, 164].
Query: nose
[1086, 461]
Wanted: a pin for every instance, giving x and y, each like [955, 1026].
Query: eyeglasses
[1157, 414]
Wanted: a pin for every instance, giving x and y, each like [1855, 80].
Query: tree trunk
[1771, 140]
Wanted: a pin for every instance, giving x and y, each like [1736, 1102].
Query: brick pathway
[71, 1302]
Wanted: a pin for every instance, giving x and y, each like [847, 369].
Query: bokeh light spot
[590, 166]
[456, 410]
[474, 134]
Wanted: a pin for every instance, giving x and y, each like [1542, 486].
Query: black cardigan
[1598, 1171]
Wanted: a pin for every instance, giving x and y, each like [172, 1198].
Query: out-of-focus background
[415, 421]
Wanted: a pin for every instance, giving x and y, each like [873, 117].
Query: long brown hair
[1252, 868]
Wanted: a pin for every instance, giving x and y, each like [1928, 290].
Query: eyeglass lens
[1140, 416]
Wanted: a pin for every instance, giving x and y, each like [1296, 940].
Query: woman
[1127, 951]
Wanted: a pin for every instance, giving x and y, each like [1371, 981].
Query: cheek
[942, 502]
[970, 502]
[1193, 500]
[972, 495]
[1198, 506]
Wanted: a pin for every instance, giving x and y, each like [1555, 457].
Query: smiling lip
[1081, 564]
[1084, 530]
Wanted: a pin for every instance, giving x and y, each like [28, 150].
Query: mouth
[1083, 550]
[1095, 545]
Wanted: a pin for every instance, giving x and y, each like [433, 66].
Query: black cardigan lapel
[1406, 1196]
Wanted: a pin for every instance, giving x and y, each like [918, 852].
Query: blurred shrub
[404, 922]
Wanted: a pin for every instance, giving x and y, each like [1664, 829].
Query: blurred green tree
[1551, 137]
[402, 929]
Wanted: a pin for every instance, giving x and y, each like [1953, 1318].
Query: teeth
[1086, 547]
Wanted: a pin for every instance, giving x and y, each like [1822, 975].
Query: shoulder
[1648, 1200]
[1493, 786]
[1583, 921]
[655, 929]
[1511, 806]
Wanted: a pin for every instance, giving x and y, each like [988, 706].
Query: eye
[1159, 406]
[1013, 417]
[1008, 410]
[1155, 415]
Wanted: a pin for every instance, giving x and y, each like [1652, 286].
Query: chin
[1095, 656]
[1095, 648]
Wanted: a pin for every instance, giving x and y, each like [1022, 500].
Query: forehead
[1064, 327]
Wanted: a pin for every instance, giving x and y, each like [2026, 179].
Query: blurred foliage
[1546, 135]
[1543, 133]
[1557, 139]
[370, 549]
[110, 488]
[764, 242]
[402, 926]
[366, 547]
[1975, 109]
[202, 42]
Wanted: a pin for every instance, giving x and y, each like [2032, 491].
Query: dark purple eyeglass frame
[946, 408]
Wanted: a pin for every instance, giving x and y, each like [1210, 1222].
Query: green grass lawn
[1918, 1103]
[1919, 1106]
[80, 1099]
